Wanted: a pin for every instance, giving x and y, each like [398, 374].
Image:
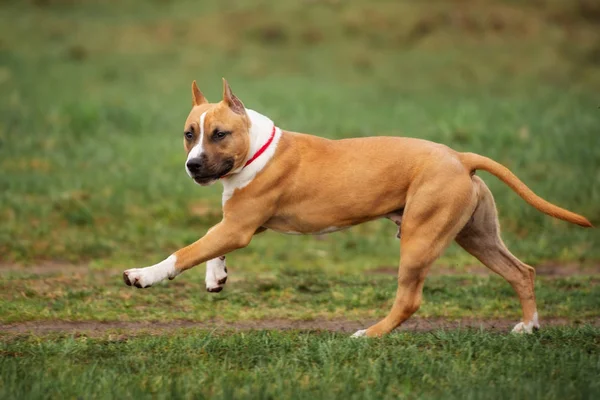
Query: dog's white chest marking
[198, 149]
[260, 132]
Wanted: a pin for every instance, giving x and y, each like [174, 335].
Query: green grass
[95, 96]
[288, 294]
[556, 364]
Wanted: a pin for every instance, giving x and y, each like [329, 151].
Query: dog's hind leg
[429, 224]
[481, 238]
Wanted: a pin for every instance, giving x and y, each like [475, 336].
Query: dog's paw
[528, 327]
[137, 277]
[523, 328]
[361, 333]
[216, 274]
[146, 277]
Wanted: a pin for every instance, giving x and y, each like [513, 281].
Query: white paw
[361, 333]
[138, 277]
[528, 327]
[521, 327]
[525, 328]
[146, 277]
[216, 274]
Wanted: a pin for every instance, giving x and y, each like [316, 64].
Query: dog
[296, 183]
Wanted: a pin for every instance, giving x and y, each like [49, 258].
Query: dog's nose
[194, 165]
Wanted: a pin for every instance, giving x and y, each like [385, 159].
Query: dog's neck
[260, 132]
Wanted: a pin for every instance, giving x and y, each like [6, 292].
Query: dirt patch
[551, 269]
[46, 268]
[436, 270]
[95, 329]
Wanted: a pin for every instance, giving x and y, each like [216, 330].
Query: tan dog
[301, 184]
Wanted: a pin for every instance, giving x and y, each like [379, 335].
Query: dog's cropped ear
[197, 96]
[231, 100]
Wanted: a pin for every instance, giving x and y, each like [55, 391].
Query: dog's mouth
[205, 180]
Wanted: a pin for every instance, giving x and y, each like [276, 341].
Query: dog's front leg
[221, 239]
[216, 274]
[216, 271]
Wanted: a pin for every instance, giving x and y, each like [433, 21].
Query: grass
[556, 364]
[288, 294]
[94, 96]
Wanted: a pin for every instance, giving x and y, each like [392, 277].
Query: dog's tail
[474, 161]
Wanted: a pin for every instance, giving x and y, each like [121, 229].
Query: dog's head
[216, 136]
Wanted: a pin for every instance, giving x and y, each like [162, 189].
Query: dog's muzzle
[201, 172]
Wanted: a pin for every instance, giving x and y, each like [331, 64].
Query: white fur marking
[528, 327]
[150, 275]
[215, 271]
[260, 132]
[361, 333]
[198, 149]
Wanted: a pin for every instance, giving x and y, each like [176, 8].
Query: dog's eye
[218, 135]
[188, 135]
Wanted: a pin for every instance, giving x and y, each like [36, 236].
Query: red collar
[259, 152]
[262, 149]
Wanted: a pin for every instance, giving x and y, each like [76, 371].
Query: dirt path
[94, 328]
[416, 324]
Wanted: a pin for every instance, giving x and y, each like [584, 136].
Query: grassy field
[558, 364]
[291, 294]
[94, 101]
[92, 182]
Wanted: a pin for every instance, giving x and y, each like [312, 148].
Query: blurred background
[95, 94]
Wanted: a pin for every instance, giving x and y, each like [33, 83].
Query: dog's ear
[197, 96]
[231, 100]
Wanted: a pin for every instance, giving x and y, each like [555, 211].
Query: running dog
[301, 184]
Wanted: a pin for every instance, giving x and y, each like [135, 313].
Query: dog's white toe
[361, 333]
[136, 277]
